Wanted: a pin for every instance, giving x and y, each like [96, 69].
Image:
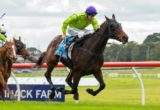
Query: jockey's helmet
[91, 10]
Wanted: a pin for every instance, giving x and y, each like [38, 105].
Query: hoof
[90, 91]
[13, 98]
[76, 96]
[51, 96]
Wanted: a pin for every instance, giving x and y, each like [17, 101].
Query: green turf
[72, 106]
[119, 94]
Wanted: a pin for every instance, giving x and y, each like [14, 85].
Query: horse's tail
[40, 60]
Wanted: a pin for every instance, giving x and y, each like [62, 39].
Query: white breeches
[80, 33]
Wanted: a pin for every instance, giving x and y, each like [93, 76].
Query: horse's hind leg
[69, 78]
[69, 81]
[76, 79]
[99, 78]
[51, 65]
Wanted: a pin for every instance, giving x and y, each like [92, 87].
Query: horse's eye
[112, 26]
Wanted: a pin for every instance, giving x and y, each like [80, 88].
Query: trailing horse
[20, 48]
[85, 59]
[7, 57]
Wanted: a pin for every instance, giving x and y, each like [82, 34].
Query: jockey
[76, 25]
[79, 21]
[3, 37]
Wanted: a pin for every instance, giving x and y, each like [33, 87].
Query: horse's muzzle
[125, 39]
[13, 59]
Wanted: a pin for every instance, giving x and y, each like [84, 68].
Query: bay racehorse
[85, 59]
[20, 48]
[7, 56]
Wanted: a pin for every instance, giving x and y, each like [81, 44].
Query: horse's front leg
[1, 92]
[76, 79]
[5, 86]
[99, 78]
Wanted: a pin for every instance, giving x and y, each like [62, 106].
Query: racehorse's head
[10, 52]
[115, 30]
[21, 48]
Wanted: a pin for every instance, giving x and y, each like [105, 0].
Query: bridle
[19, 46]
[13, 50]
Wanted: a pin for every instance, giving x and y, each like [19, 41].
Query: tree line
[149, 50]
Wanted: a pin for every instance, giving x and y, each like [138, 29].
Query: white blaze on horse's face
[14, 51]
[13, 47]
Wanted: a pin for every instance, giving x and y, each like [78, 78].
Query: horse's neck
[5, 62]
[3, 53]
[98, 41]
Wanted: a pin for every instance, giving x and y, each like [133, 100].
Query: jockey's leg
[82, 34]
[77, 34]
[74, 33]
[69, 41]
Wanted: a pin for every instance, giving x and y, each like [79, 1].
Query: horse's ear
[107, 19]
[19, 38]
[113, 17]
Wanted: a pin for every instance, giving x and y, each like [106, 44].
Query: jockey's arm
[3, 38]
[67, 22]
[95, 24]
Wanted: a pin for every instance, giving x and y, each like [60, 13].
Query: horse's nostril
[125, 38]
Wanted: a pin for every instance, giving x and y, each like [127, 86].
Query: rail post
[18, 86]
[141, 84]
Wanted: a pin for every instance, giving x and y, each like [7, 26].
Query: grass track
[72, 106]
[119, 94]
